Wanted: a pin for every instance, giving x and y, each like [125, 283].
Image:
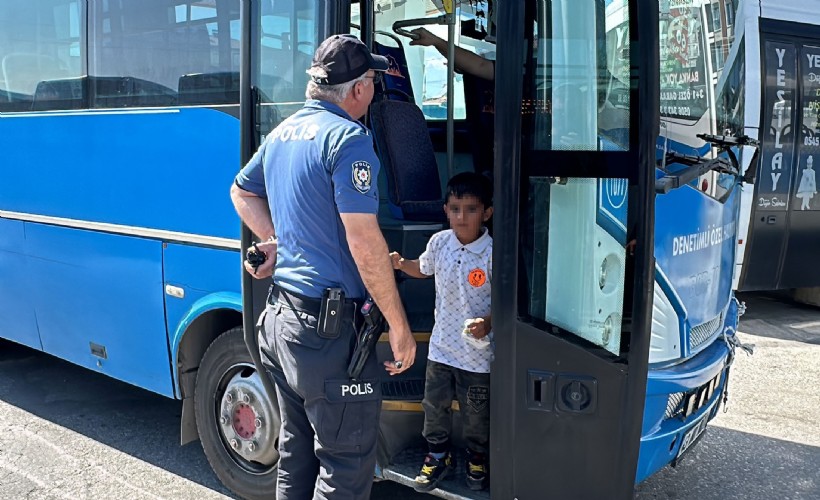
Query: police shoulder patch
[362, 177]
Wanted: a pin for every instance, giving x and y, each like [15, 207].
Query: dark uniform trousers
[330, 424]
[472, 390]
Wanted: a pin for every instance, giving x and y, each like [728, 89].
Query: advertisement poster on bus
[805, 181]
[777, 146]
[683, 76]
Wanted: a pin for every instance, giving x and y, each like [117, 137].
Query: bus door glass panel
[40, 54]
[160, 53]
[574, 229]
[288, 37]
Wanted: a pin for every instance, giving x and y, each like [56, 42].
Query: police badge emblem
[361, 176]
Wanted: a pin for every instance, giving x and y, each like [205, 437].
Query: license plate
[692, 435]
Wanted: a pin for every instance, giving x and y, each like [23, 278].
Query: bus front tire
[237, 422]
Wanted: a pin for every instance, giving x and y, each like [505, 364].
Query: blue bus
[123, 123]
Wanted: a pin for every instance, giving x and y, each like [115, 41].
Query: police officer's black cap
[342, 58]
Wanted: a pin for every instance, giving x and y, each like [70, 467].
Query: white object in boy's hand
[475, 342]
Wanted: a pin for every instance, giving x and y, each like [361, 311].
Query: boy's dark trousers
[443, 383]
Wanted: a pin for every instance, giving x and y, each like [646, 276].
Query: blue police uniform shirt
[316, 164]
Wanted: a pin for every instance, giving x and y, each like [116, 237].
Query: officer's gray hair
[331, 93]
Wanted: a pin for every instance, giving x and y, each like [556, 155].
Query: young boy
[461, 345]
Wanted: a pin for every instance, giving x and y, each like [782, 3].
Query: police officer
[309, 193]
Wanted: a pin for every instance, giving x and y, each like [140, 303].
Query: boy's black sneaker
[432, 471]
[476, 471]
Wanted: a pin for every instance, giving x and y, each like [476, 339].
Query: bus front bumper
[680, 400]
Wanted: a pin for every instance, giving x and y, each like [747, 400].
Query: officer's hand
[396, 258]
[425, 38]
[403, 346]
[265, 270]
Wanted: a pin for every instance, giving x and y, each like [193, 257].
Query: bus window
[39, 43]
[147, 53]
[683, 69]
[730, 102]
[427, 67]
[287, 40]
[580, 82]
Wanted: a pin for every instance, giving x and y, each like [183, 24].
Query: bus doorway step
[403, 389]
[406, 466]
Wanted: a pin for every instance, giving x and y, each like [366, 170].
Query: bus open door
[572, 302]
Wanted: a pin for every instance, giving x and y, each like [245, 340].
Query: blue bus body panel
[101, 166]
[696, 252]
[105, 289]
[166, 169]
[17, 320]
[211, 280]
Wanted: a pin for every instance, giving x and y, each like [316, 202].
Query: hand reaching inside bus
[321, 161]
[465, 61]
[461, 347]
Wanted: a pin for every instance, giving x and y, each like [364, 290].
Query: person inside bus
[461, 346]
[308, 193]
[479, 96]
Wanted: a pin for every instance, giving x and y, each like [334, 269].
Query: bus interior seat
[397, 76]
[209, 88]
[409, 161]
[129, 92]
[68, 93]
[403, 143]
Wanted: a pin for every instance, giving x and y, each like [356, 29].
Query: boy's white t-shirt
[463, 277]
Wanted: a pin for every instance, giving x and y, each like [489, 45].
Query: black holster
[366, 337]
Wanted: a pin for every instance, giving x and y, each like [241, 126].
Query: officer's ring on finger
[398, 365]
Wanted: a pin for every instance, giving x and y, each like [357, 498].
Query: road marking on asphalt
[14, 470]
[96, 466]
[803, 326]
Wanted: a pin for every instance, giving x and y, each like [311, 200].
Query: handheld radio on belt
[366, 337]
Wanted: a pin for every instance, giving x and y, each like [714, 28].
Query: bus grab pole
[450, 18]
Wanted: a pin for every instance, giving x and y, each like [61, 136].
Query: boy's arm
[408, 267]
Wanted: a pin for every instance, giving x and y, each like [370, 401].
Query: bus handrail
[399, 25]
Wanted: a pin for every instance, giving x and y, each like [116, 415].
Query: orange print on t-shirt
[476, 277]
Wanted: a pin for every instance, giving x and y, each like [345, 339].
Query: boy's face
[466, 216]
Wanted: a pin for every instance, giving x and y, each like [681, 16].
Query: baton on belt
[366, 337]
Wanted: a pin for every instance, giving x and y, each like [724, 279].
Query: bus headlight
[665, 342]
